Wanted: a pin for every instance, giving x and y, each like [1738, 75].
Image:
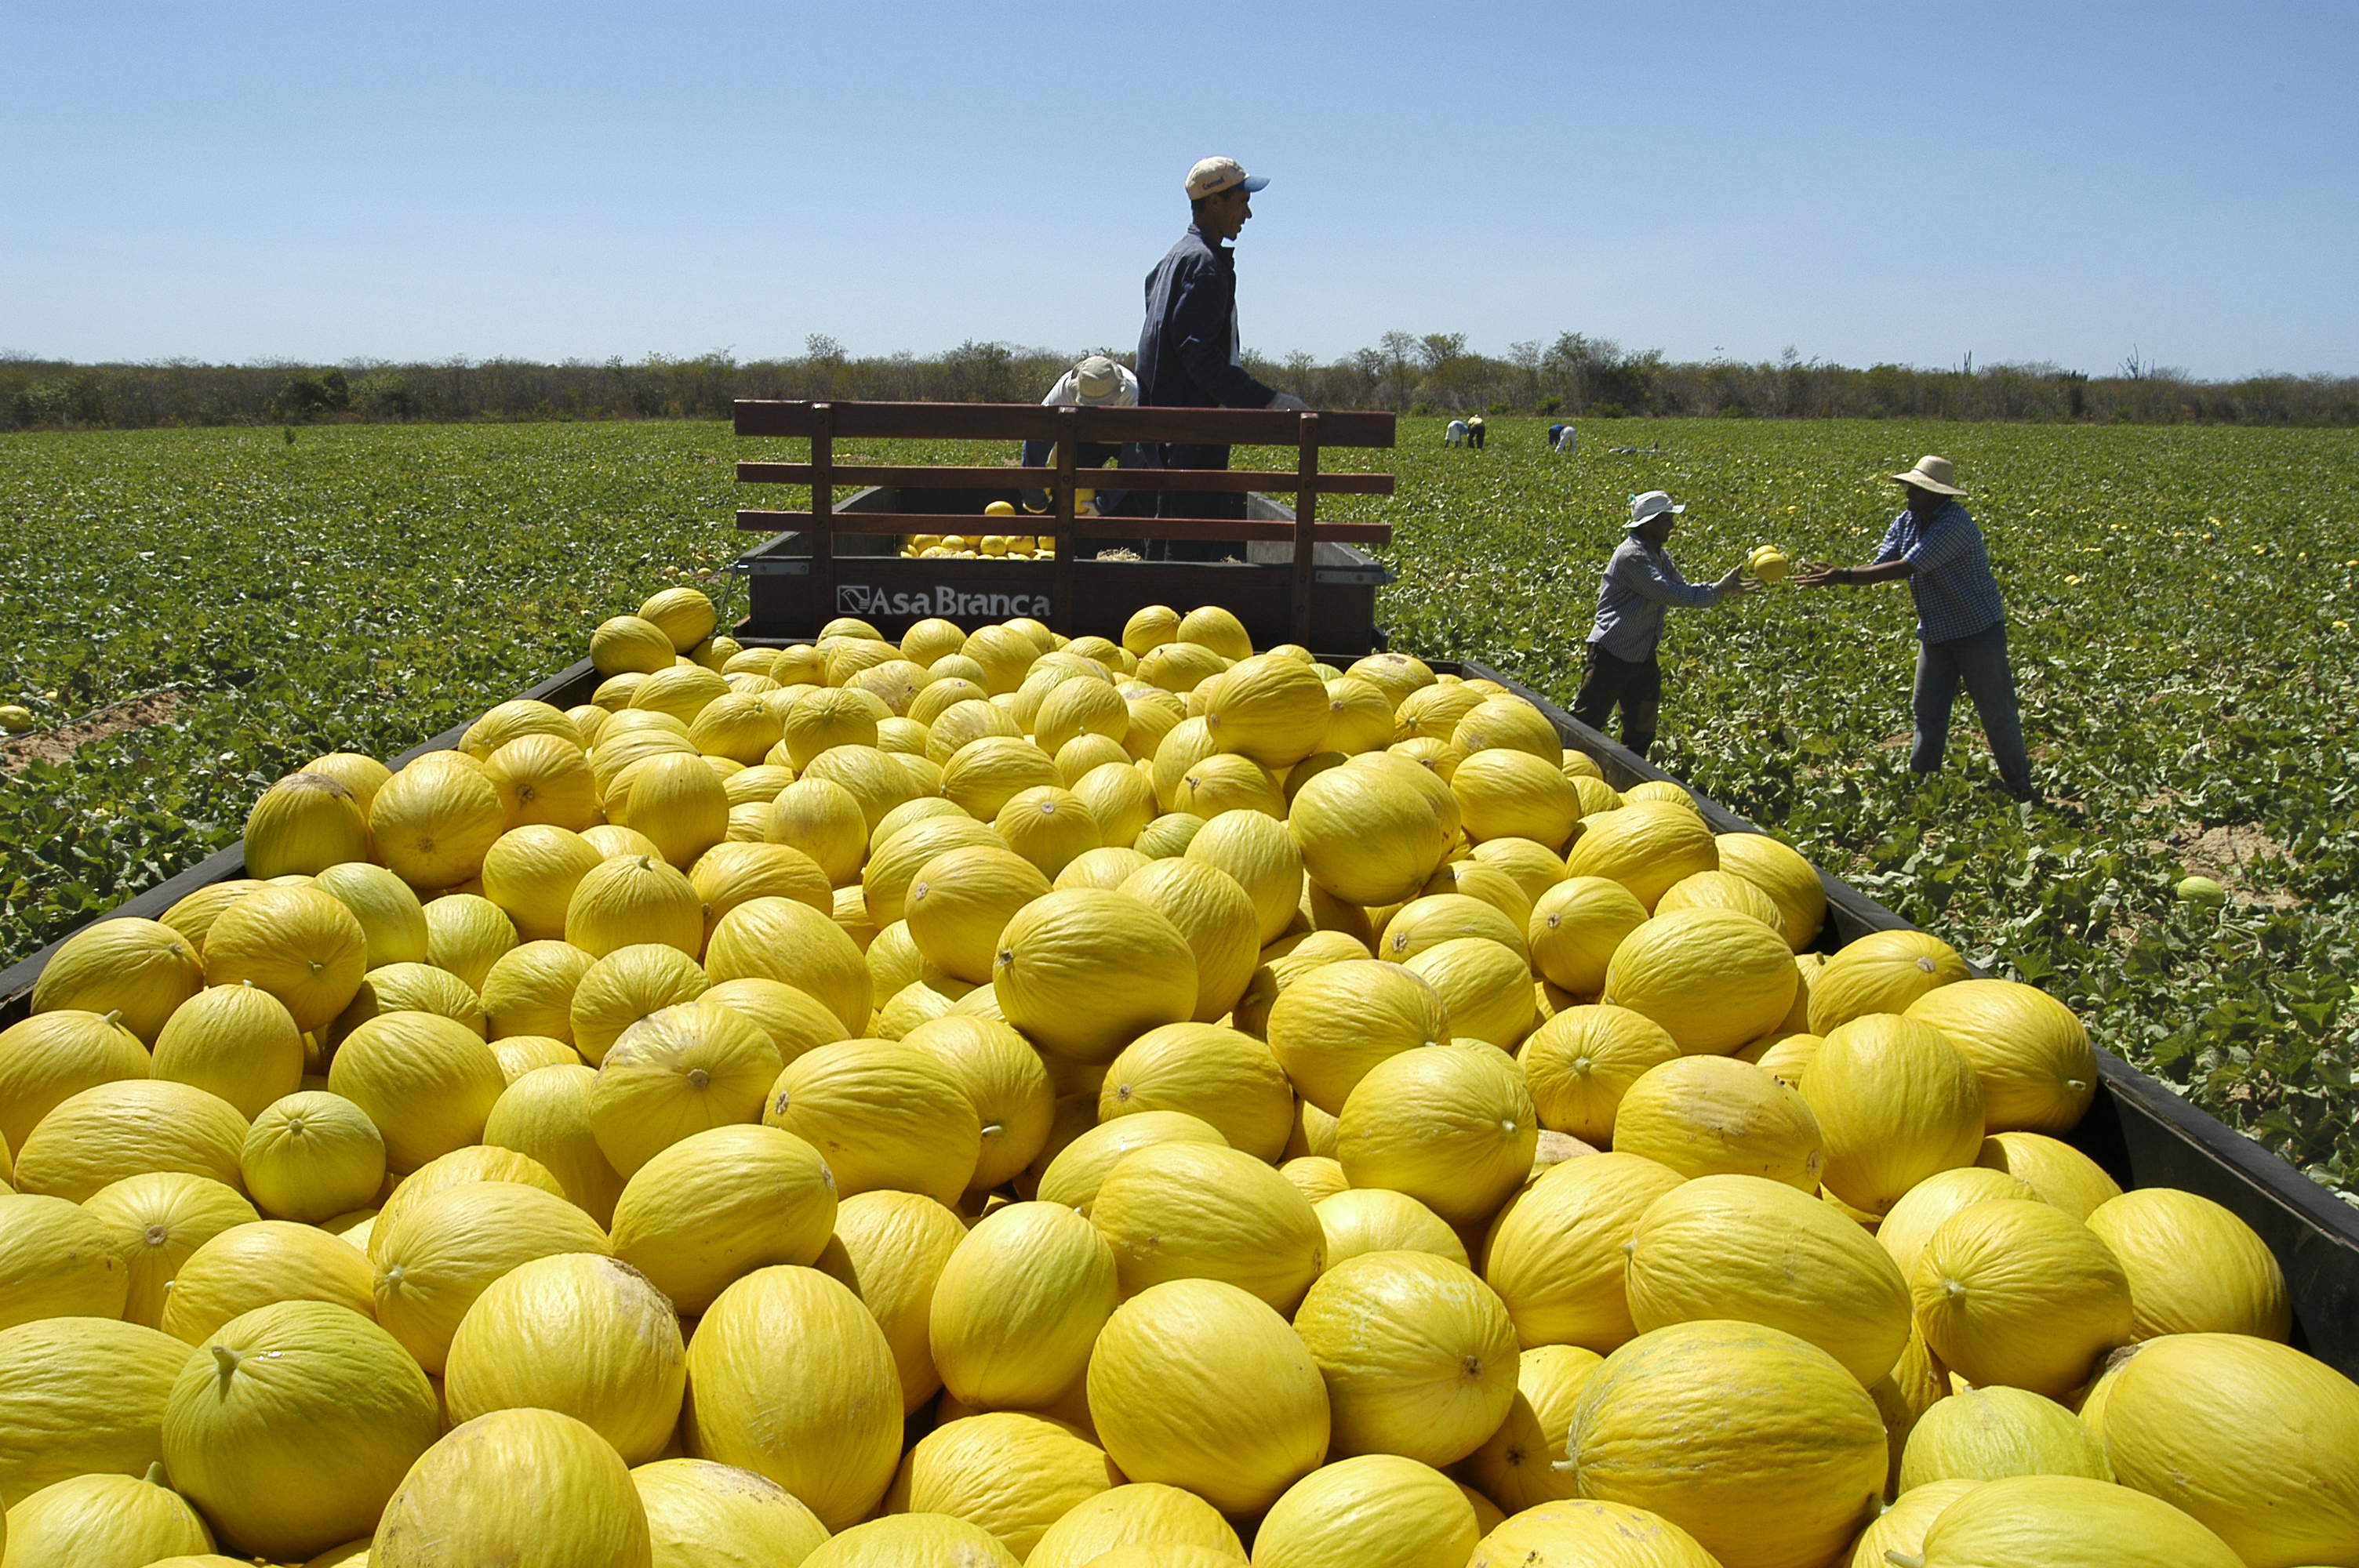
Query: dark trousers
[1634, 687]
[1229, 506]
[1474, 437]
[1980, 663]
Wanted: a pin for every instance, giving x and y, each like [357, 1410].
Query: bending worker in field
[1191, 354]
[1641, 582]
[1960, 620]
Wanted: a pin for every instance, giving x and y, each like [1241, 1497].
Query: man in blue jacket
[1640, 582]
[1191, 354]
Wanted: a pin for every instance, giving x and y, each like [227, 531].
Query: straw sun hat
[1931, 473]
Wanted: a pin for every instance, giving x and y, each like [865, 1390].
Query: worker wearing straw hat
[1097, 382]
[1961, 619]
[1641, 582]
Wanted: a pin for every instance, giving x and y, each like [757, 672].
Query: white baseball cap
[1213, 175]
[1100, 382]
[1653, 504]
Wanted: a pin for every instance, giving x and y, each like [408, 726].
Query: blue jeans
[1981, 661]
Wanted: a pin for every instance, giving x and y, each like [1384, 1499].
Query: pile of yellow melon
[975, 546]
[997, 1098]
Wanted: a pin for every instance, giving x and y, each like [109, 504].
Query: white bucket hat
[1101, 384]
[1931, 473]
[1653, 504]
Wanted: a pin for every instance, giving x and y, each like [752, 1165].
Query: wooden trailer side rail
[819, 423]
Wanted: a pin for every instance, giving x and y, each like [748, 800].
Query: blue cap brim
[1254, 181]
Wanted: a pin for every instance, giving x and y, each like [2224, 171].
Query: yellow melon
[889, 1248]
[516, 1485]
[2064, 1521]
[702, 1514]
[426, 1082]
[1282, 963]
[1019, 1306]
[312, 1155]
[544, 1114]
[913, 1541]
[1370, 835]
[431, 826]
[2256, 1440]
[676, 1072]
[2058, 1172]
[1188, 1210]
[1339, 1020]
[303, 823]
[531, 873]
[782, 939]
[1228, 1078]
[1710, 1115]
[357, 772]
[1506, 793]
[795, 1021]
[192, 917]
[1074, 1174]
[1581, 1060]
[1452, 1126]
[434, 1261]
[1209, 626]
[2194, 1267]
[683, 691]
[127, 1128]
[677, 802]
[791, 1378]
[1912, 1220]
[1902, 1525]
[134, 972]
[392, 922]
[1722, 890]
[257, 1264]
[1987, 1434]
[1712, 977]
[57, 1259]
[296, 943]
[1556, 1253]
[235, 1042]
[1758, 1252]
[1572, 1532]
[1791, 882]
[580, 1332]
[1646, 846]
[544, 780]
[292, 1425]
[1417, 1354]
[1896, 1102]
[1198, 1384]
[1005, 1081]
[159, 1219]
[960, 901]
[2030, 1054]
[1884, 971]
[51, 1056]
[1758, 1443]
[823, 820]
[1515, 1464]
[882, 1114]
[1378, 1509]
[1376, 1219]
[1484, 987]
[1137, 1514]
[529, 991]
[1010, 1474]
[82, 1396]
[631, 900]
[2008, 1290]
[100, 1521]
[1214, 916]
[1083, 971]
[1359, 717]
[720, 1203]
[467, 933]
[1434, 918]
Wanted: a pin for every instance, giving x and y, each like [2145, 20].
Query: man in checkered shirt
[1960, 620]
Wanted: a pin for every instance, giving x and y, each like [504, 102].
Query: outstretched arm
[1818, 574]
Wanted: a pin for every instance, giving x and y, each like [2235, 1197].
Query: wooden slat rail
[1040, 524]
[950, 477]
[823, 423]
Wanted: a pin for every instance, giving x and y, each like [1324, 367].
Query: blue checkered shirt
[1956, 595]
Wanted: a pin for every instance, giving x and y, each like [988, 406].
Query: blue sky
[1863, 183]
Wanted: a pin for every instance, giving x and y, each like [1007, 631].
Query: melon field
[194, 613]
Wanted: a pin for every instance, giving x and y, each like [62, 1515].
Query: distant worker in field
[1190, 353]
[1562, 438]
[1097, 382]
[1474, 431]
[1960, 620]
[1641, 582]
[1455, 433]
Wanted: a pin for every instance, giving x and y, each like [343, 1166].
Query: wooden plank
[822, 528]
[1060, 618]
[975, 522]
[1032, 421]
[953, 477]
[1306, 518]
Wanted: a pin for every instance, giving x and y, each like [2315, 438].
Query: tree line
[1577, 376]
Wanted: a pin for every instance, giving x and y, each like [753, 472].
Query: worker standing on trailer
[1960, 620]
[1190, 353]
[1641, 582]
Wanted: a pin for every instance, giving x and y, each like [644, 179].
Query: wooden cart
[1295, 579]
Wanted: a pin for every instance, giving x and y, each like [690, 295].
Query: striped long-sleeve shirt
[1956, 595]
